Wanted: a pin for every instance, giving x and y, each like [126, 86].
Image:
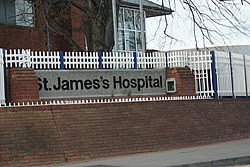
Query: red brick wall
[185, 83]
[56, 134]
[16, 37]
[34, 38]
[22, 85]
[78, 26]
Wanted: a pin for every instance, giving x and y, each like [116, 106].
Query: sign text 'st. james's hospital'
[60, 84]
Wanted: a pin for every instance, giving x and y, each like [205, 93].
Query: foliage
[211, 19]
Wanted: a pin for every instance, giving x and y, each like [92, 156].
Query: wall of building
[77, 27]
[34, 38]
[14, 37]
[41, 135]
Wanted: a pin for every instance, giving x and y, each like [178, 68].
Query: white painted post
[142, 26]
[115, 25]
[2, 78]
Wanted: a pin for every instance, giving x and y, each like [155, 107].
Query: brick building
[22, 26]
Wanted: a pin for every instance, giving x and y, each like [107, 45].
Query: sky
[180, 27]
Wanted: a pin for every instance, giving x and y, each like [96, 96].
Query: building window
[129, 30]
[16, 12]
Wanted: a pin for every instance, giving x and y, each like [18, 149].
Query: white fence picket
[224, 81]
[2, 82]
[238, 75]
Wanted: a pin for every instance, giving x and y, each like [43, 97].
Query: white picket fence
[2, 82]
[216, 73]
[84, 60]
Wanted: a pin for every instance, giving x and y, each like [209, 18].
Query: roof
[239, 49]
[152, 9]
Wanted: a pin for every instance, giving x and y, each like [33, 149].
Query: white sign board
[100, 83]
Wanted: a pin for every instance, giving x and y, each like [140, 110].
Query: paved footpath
[222, 154]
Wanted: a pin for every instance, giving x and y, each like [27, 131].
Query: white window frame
[125, 31]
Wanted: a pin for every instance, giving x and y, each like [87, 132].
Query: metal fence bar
[247, 67]
[100, 55]
[61, 54]
[223, 74]
[214, 75]
[231, 73]
[245, 71]
[135, 60]
[198, 72]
